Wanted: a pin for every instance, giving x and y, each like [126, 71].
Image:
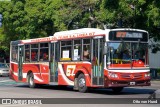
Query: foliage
[24, 19]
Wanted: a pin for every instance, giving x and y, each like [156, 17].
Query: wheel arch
[86, 74]
[78, 73]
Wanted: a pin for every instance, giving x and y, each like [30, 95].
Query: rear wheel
[82, 83]
[31, 81]
[117, 89]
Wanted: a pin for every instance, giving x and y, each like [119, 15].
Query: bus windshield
[127, 54]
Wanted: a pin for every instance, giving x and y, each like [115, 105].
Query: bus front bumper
[119, 83]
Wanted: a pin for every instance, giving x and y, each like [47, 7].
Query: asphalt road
[11, 89]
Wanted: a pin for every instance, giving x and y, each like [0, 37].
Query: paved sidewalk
[155, 84]
[157, 81]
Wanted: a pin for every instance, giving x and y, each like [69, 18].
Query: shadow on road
[126, 91]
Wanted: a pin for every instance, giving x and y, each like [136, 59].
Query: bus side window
[86, 49]
[86, 54]
[34, 52]
[44, 52]
[27, 56]
[77, 49]
[41, 55]
[45, 56]
[27, 53]
[34, 56]
[66, 50]
[14, 52]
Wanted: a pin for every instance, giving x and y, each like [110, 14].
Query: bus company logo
[6, 101]
[132, 76]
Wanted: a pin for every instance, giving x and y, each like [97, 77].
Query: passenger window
[77, 50]
[27, 53]
[14, 53]
[34, 52]
[66, 50]
[86, 49]
[44, 52]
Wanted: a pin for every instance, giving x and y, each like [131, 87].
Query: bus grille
[131, 76]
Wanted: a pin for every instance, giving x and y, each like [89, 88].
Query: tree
[26, 19]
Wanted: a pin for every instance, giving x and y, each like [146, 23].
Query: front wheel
[31, 81]
[82, 83]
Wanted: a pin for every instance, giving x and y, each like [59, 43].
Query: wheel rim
[82, 82]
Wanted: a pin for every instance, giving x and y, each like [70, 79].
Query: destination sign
[128, 36]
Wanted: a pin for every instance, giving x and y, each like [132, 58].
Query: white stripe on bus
[25, 76]
[64, 76]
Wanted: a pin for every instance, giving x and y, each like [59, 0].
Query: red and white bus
[83, 58]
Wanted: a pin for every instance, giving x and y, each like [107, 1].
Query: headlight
[113, 75]
[147, 75]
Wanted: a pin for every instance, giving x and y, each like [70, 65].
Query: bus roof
[73, 34]
[70, 34]
[79, 33]
[82, 30]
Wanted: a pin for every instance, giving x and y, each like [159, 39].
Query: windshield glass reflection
[126, 54]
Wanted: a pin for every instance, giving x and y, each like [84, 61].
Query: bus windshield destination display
[128, 36]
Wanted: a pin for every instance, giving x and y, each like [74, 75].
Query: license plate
[132, 83]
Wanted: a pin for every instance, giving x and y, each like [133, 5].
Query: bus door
[20, 61]
[97, 61]
[54, 62]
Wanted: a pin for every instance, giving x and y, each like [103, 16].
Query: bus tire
[82, 83]
[31, 81]
[117, 89]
